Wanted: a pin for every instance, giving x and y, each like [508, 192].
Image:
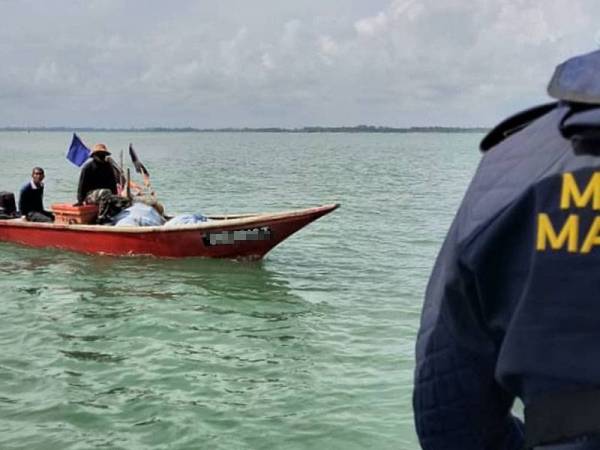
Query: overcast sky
[255, 63]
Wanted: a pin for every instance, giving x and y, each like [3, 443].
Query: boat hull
[246, 237]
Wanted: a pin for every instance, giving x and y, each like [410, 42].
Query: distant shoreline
[356, 129]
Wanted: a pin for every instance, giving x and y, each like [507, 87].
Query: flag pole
[128, 187]
[121, 171]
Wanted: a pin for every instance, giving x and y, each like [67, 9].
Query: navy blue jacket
[30, 199]
[512, 309]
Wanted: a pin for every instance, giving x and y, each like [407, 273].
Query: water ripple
[310, 348]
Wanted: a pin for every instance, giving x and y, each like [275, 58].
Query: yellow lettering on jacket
[568, 234]
[570, 192]
[593, 237]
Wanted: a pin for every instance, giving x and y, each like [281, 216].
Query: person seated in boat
[96, 174]
[31, 204]
[98, 185]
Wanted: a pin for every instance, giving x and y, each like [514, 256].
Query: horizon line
[305, 129]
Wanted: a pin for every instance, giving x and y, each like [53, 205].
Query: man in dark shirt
[31, 198]
[96, 174]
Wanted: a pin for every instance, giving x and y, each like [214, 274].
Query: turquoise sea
[311, 348]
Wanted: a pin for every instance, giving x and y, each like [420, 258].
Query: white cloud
[411, 8]
[395, 62]
[291, 33]
[524, 25]
[370, 26]
[328, 45]
[46, 73]
[267, 61]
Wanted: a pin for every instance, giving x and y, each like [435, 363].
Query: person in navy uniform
[512, 308]
[31, 198]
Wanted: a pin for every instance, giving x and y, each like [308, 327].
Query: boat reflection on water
[102, 278]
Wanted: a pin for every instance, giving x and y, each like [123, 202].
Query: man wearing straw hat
[98, 186]
[96, 174]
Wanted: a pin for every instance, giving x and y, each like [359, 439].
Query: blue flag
[78, 152]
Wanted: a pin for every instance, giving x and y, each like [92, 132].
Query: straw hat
[100, 148]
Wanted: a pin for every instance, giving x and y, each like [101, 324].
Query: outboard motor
[8, 207]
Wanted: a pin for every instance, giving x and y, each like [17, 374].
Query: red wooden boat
[247, 236]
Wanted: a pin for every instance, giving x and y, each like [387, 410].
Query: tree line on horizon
[311, 129]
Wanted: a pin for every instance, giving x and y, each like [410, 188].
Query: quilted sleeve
[457, 402]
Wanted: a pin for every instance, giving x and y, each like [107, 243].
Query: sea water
[312, 348]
